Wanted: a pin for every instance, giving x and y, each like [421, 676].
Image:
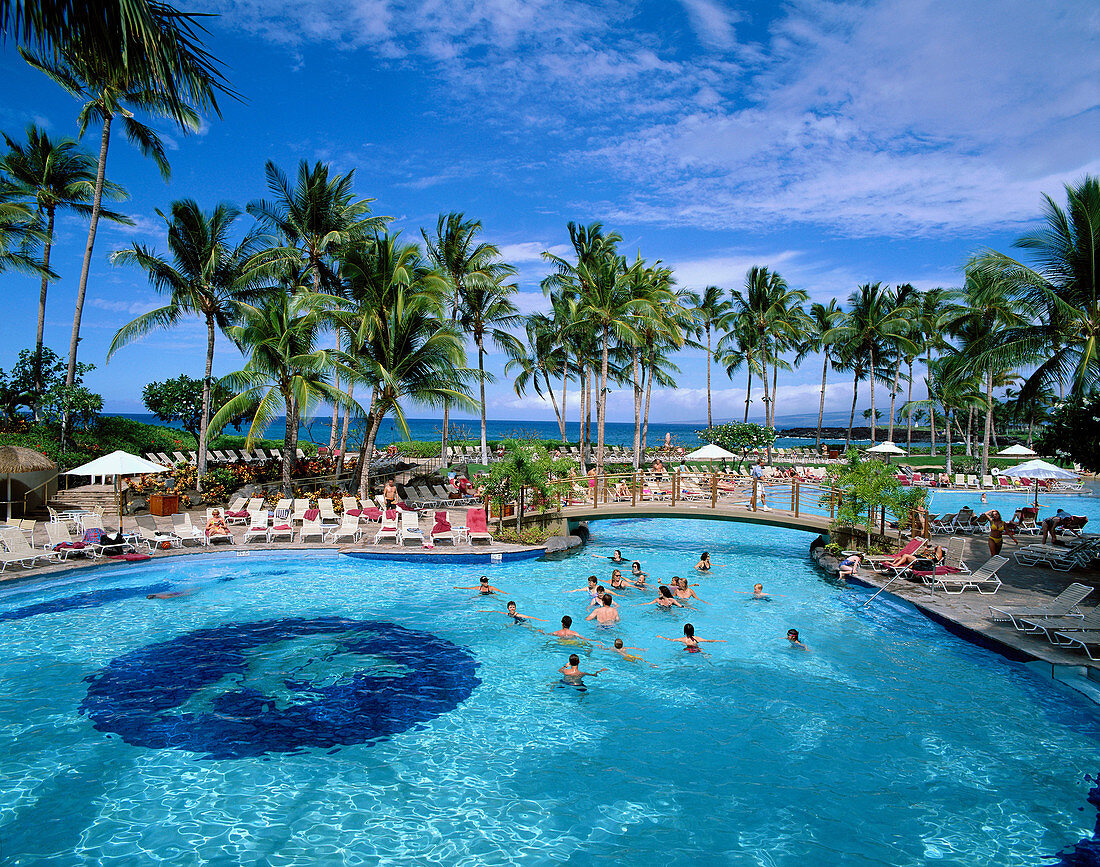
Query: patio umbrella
[886, 448]
[1038, 470]
[117, 464]
[1016, 451]
[17, 459]
[710, 452]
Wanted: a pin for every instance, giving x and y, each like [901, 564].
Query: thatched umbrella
[17, 459]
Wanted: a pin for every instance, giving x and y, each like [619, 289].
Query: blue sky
[836, 142]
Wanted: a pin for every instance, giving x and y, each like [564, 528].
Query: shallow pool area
[312, 708]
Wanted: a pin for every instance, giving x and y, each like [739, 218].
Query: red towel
[940, 570]
[130, 558]
[74, 546]
[312, 514]
[441, 527]
[282, 527]
[355, 513]
[405, 508]
[372, 513]
[236, 514]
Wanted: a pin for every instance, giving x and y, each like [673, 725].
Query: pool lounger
[982, 577]
[1065, 604]
[1086, 639]
[1085, 623]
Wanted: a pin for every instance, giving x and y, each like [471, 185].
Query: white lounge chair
[301, 506]
[981, 579]
[1065, 604]
[18, 548]
[409, 523]
[311, 530]
[389, 528]
[327, 513]
[1049, 626]
[57, 534]
[182, 526]
[347, 531]
[257, 528]
[1086, 639]
[153, 536]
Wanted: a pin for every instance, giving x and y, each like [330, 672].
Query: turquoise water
[888, 742]
[1008, 503]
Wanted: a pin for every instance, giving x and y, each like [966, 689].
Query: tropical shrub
[1073, 433]
[739, 437]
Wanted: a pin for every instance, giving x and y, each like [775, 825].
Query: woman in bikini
[704, 562]
[997, 530]
[690, 641]
[681, 590]
[618, 582]
[665, 599]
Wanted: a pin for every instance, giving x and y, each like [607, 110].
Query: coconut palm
[51, 175]
[955, 390]
[403, 347]
[535, 363]
[285, 372]
[207, 275]
[820, 337]
[741, 347]
[712, 313]
[930, 337]
[1060, 289]
[19, 232]
[904, 346]
[485, 311]
[461, 260]
[108, 90]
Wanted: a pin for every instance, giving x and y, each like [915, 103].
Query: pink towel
[940, 570]
[74, 546]
[312, 514]
[355, 513]
[130, 558]
[236, 514]
[441, 527]
[372, 513]
[282, 527]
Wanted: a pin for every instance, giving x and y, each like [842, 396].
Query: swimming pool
[302, 709]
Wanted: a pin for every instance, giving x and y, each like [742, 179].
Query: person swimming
[592, 590]
[484, 588]
[704, 562]
[681, 590]
[618, 582]
[691, 641]
[792, 637]
[665, 599]
[566, 631]
[572, 673]
[607, 614]
[638, 575]
[515, 615]
[758, 592]
[622, 649]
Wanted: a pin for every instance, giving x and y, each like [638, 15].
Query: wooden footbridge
[788, 503]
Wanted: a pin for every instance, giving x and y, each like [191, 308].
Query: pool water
[316, 708]
[1008, 503]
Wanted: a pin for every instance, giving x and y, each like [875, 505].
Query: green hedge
[108, 434]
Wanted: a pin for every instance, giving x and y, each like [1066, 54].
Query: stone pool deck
[967, 614]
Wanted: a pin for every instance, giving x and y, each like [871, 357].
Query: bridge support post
[794, 488]
[754, 493]
[634, 489]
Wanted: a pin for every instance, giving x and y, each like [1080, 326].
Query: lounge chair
[952, 562]
[477, 526]
[301, 506]
[348, 530]
[182, 527]
[327, 513]
[257, 528]
[351, 506]
[981, 579]
[1065, 604]
[945, 523]
[59, 539]
[1049, 626]
[1074, 525]
[153, 536]
[409, 524]
[179, 458]
[311, 530]
[17, 546]
[441, 531]
[389, 528]
[1085, 639]
[886, 563]
[282, 510]
[1058, 557]
[281, 526]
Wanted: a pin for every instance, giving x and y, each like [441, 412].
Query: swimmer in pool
[607, 614]
[681, 590]
[638, 575]
[484, 588]
[174, 594]
[758, 592]
[617, 557]
[690, 641]
[619, 582]
[621, 649]
[593, 595]
[566, 631]
[665, 599]
[704, 564]
[572, 672]
[792, 637]
[515, 615]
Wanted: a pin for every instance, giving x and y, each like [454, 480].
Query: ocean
[316, 430]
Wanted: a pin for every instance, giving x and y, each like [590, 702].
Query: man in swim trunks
[792, 637]
[389, 494]
[690, 641]
[607, 614]
[573, 673]
[566, 631]
[484, 588]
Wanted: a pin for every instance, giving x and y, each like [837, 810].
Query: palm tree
[929, 335]
[403, 346]
[461, 260]
[108, 89]
[903, 346]
[285, 371]
[1060, 290]
[19, 232]
[149, 40]
[207, 276]
[485, 310]
[52, 175]
[535, 363]
[820, 336]
[955, 391]
[712, 312]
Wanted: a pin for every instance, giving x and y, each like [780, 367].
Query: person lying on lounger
[216, 525]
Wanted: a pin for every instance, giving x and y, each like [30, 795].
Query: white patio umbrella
[117, 464]
[710, 452]
[1016, 451]
[887, 448]
[1038, 469]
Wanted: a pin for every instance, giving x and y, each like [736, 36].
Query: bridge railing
[699, 490]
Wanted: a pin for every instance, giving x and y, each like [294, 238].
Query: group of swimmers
[605, 611]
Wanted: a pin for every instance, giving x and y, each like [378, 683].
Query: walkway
[687, 510]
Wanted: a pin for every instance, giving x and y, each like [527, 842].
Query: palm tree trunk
[374, 422]
[554, 401]
[893, 399]
[821, 407]
[775, 393]
[970, 432]
[909, 414]
[335, 418]
[46, 247]
[601, 402]
[647, 377]
[588, 413]
[767, 394]
[481, 384]
[201, 464]
[636, 362]
[947, 467]
[932, 406]
[583, 401]
[852, 417]
[748, 390]
[564, 381]
[988, 421]
[344, 433]
[290, 444]
[710, 420]
[82, 287]
[873, 431]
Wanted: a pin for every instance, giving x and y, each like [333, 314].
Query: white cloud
[531, 251]
[712, 22]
